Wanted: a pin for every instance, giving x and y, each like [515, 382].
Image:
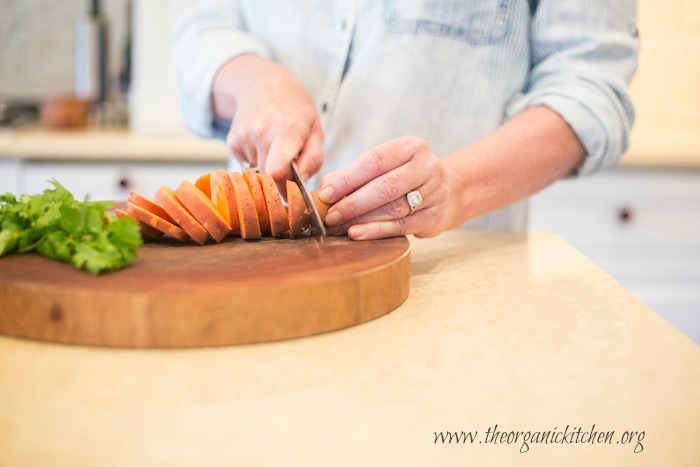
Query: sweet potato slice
[147, 231]
[149, 205]
[172, 205]
[224, 197]
[203, 210]
[298, 214]
[279, 223]
[247, 214]
[156, 222]
[204, 184]
[255, 187]
[320, 206]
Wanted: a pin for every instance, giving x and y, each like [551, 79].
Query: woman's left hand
[370, 195]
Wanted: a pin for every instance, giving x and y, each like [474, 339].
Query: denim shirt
[449, 71]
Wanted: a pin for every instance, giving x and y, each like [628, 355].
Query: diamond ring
[414, 200]
[247, 165]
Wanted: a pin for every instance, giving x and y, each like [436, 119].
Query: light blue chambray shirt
[449, 71]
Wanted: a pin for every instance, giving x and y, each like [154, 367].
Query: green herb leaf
[57, 226]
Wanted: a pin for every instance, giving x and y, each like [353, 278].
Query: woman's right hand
[274, 119]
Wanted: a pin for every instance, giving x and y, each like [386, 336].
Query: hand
[370, 194]
[274, 119]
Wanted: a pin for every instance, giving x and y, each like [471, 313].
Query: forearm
[528, 153]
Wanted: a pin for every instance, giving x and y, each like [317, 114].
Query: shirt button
[343, 25]
[324, 107]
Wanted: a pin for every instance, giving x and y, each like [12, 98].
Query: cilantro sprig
[57, 226]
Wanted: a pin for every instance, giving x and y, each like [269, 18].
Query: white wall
[153, 103]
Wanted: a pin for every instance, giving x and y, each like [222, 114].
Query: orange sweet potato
[203, 210]
[320, 206]
[147, 231]
[172, 205]
[224, 197]
[279, 223]
[297, 212]
[149, 205]
[156, 222]
[255, 187]
[247, 214]
[204, 184]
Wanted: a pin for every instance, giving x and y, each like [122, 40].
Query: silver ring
[247, 165]
[414, 200]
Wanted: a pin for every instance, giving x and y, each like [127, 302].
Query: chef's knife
[317, 227]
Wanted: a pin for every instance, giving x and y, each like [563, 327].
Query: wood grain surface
[181, 295]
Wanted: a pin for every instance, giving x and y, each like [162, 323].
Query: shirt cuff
[602, 126]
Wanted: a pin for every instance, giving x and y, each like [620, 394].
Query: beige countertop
[108, 144]
[518, 330]
[647, 150]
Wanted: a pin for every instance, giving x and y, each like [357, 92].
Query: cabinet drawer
[624, 207]
[110, 180]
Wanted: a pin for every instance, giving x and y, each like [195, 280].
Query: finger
[284, 147]
[370, 165]
[421, 224]
[390, 211]
[311, 157]
[384, 229]
[378, 192]
[240, 148]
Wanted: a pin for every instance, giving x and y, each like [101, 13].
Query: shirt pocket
[471, 21]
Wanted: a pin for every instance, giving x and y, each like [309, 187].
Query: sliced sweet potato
[279, 223]
[172, 205]
[203, 210]
[204, 184]
[320, 206]
[149, 205]
[251, 178]
[156, 222]
[224, 197]
[247, 214]
[147, 231]
[297, 212]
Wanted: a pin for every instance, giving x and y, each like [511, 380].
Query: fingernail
[326, 194]
[357, 232]
[333, 218]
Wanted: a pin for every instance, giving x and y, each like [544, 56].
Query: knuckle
[350, 208]
[415, 144]
[258, 131]
[402, 225]
[395, 210]
[374, 162]
[235, 145]
[343, 182]
[389, 187]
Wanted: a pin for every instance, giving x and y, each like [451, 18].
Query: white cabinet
[642, 226]
[10, 175]
[109, 180]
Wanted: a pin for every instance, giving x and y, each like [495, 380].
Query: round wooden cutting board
[178, 295]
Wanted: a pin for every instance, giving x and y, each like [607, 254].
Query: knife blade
[317, 228]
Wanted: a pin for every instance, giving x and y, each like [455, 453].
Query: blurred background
[639, 222]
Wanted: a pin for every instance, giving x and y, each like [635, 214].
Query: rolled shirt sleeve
[208, 35]
[583, 56]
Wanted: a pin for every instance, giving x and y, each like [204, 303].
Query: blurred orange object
[65, 112]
